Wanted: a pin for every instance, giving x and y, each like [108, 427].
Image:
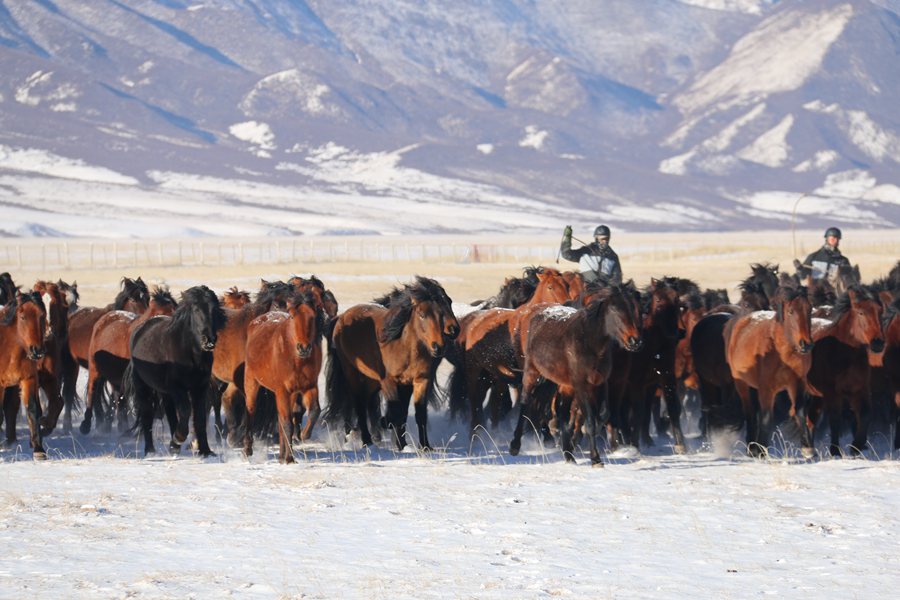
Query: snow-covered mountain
[169, 117]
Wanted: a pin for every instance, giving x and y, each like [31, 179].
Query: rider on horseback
[826, 261]
[596, 260]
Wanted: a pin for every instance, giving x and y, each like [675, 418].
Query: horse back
[81, 329]
[355, 339]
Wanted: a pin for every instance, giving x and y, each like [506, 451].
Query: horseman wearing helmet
[826, 261]
[596, 260]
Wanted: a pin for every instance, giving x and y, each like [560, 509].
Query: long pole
[794, 222]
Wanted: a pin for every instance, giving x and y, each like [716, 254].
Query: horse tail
[128, 397]
[339, 409]
[435, 393]
[458, 392]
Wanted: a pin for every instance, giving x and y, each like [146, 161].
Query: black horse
[171, 363]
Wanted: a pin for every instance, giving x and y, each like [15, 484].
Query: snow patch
[847, 184]
[749, 7]
[534, 138]
[762, 315]
[559, 312]
[821, 161]
[771, 148]
[45, 163]
[485, 148]
[259, 134]
[289, 90]
[872, 139]
[778, 56]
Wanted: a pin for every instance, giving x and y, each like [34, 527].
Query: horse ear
[654, 281]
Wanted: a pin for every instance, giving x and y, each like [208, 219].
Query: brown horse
[133, 297]
[323, 296]
[488, 357]
[769, 351]
[891, 360]
[235, 298]
[392, 346]
[284, 355]
[231, 350]
[109, 355]
[22, 329]
[50, 369]
[573, 349]
[840, 372]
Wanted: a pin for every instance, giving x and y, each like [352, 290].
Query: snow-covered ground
[463, 522]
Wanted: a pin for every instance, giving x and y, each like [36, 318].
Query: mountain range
[287, 117]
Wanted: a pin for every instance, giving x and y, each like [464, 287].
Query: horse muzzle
[207, 344]
[633, 344]
[877, 345]
[437, 350]
[304, 351]
[35, 353]
[805, 347]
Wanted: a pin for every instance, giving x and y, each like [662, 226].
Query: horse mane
[161, 295]
[399, 302]
[892, 310]
[311, 280]
[694, 301]
[269, 293]
[843, 303]
[132, 289]
[647, 295]
[682, 285]
[765, 275]
[307, 298]
[8, 288]
[24, 298]
[714, 298]
[894, 277]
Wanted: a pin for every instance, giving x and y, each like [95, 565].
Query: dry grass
[718, 260]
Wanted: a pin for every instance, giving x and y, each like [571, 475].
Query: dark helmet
[601, 231]
[833, 231]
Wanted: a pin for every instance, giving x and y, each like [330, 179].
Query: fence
[78, 254]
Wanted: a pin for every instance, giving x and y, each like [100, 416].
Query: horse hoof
[597, 464]
[808, 453]
[85, 427]
[174, 449]
[289, 459]
[40, 455]
[680, 449]
[207, 454]
[514, 448]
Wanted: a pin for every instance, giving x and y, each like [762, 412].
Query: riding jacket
[595, 262]
[825, 262]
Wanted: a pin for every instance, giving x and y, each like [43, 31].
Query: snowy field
[462, 522]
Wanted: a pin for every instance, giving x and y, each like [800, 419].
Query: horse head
[426, 307]
[617, 308]
[273, 295]
[27, 313]
[161, 302]
[766, 276]
[662, 308]
[202, 315]
[860, 310]
[793, 312]
[307, 322]
[70, 294]
[55, 307]
[235, 298]
[551, 287]
[133, 297]
[575, 282]
[314, 285]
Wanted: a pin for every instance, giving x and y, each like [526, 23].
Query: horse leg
[529, 381]
[29, 392]
[95, 384]
[673, 407]
[835, 421]
[420, 400]
[251, 392]
[589, 402]
[121, 410]
[478, 386]
[284, 403]
[564, 422]
[751, 417]
[766, 398]
[49, 382]
[862, 410]
[231, 403]
[798, 414]
[182, 403]
[397, 399]
[217, 409]
[897, 420]
[11, 403]
[69, 380]
[200, 414]
[311, 405]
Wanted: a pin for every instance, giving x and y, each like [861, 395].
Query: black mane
[843, 303]
[24, 298]
[132, 289]
[8, 288]
[271, 295]
[206, 300]
[162, 296]
[399, 303]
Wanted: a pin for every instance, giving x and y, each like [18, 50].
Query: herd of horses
[579, 361]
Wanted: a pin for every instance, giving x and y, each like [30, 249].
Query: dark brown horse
[133, 297]
[22, 329]
[170, 368]
[488, 356]
[284, 355]
[109, 355]
[769, 351]
[891, 361]
[840, 374]
[573, 349]
[392, 346]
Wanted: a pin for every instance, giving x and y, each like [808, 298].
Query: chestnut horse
[231, 349]
[171, 364]
[284, 355]
[769, 351]
[487, 357]
[393, 346]
[22, 328]
[573, 349]
[132, 297]
[109, 355]
[50, 369]
[840, 372]
[235, 298]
